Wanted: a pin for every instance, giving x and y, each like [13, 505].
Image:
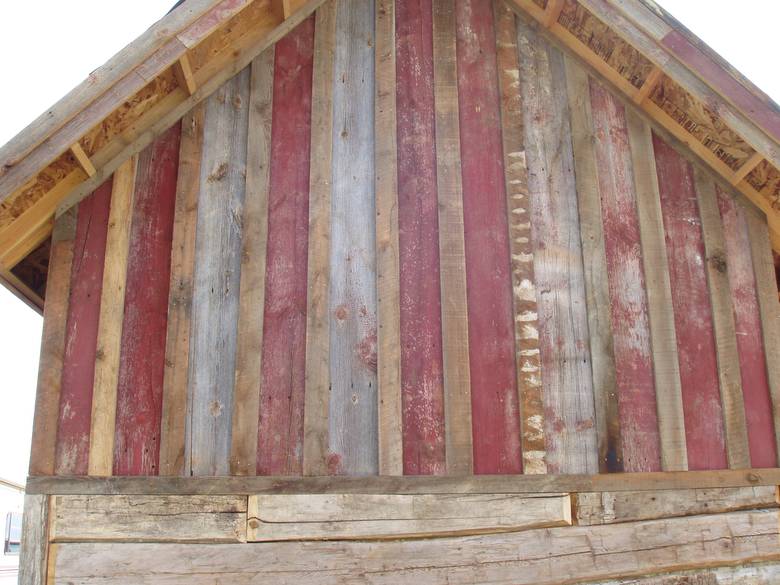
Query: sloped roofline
[140, 92]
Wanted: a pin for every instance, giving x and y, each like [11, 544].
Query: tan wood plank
[47, 397]
[246, 404]
[82, 159]
[148, 518]
[751, 574]
[585, 553]
[352, 517]
[317, 395]
[613, 507]
[112, 310]
[177, 343]
[735, 424]
[184, 75]
[650, 83]
[387, 265]
[743, 171]
[452, 255]
[481, 484]
[33, 560]
[663, 337]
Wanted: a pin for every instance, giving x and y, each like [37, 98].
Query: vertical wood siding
[142, 357]
[280, 443]
[692, 313]
[412, 237]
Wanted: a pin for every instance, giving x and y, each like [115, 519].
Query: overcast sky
[51, 45]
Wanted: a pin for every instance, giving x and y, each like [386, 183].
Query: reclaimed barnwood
[597, 278]
[352, 303]
[316, 445]
[249, 351]
[174, 397]
[612, 507]
[718, 267]
[692, 310]
[452, 256]
[388, 299]
[563, 328]
[33, 561]
[145, 320]
[280, 427]
[112, 309]
[78, 367]
[751, 574]
[216, 281]
[520, 558]
[55, 312]
[525, 310]
[148, 518]
[494, 400]
[359, 517]
[479, 484]
[666, 368]
[747, 321]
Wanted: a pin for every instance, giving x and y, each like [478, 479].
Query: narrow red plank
[280, 435]
[625, 275]
[142, 354]
[78, 368]
[720, 79]
[495, 417]
[692, 311]
[747, 319]
[422, 382]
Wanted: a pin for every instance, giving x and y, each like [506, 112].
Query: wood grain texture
[251, 311]
[494, 400]
[717, 266]
[33, 553]
[766, 289]
[145, 325]
[78, 368]
[424, 443]
[390, 434]
[317, 394]
[603, 552]
[750, 574]
[606, 397]
[563, 328]
[747, 321]
[525, 310]
[628, 300]
[692, 311]
[217, 267]
[666, 367]
[47, 395]
[148, 518]
[612, 507]
[352, 303]
[280, 433]
[452, 256]
[112, 307]
[174, 398]
[358, 517]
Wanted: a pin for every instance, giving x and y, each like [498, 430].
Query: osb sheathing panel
[766, 180]
[621, 56]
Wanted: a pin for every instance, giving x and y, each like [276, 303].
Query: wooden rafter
[83, 159]
[184, 75]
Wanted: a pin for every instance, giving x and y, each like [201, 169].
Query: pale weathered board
[148, 518]
[612, 507]
[517, 558]
[33, 551]
[352, 302]
[755, 574]
[357, 517]
[216, 280]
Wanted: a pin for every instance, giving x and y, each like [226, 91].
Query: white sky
[51, 45]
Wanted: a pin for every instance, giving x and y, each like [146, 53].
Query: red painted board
[78, 368]
[635, 381]
[495, 416]
[703, 413]
[144, 328]
[747, 319]
[280, 435]
[720, 79]
[422, 382]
